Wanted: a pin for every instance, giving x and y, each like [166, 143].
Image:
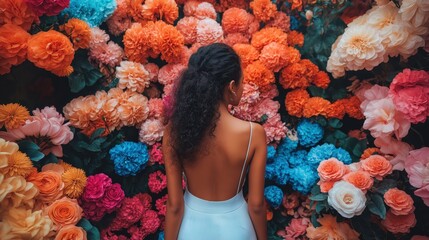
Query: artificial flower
[331, 229]
[112, 198]
[276, 56]
[295, 101]
[120, 20]
[64, 212]
[295, 38]
[263, 10]
[157, 182]
[17, 12]
[359, 179]
[26, 224]
[309, 133]
[129, 157]
[258, 74]
[18, 164]
[151, 131]
[377, 166]
[94, 12]
[399, 224]
[400, 202]
[13, 115]
[133, 76]
[331, 170]
[78, 31]
[49, 184]
[235, 38]
[98, 36]
[171, 43]
[347, 199]
[16, 192]
[209, 31]
[315, 106]
[74, 182]
[71, 232]
[273, 195]
[13, 46]
[109, 53]
[268, 35]
[166, 10]
[280, 20]
[247, 53]
[187, 26]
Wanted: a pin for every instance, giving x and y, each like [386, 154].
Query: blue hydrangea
[161, 236]
[320, 153]
[271, 152]
[309, 133]
[294, 23]
[94, 12]
[278, 170]
[297, 158]
[274, 196]
[129, 158]
[287, 146]
[303, 178]
[342, 155]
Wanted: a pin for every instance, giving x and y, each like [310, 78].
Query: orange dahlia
[19, 164]
[352, 106]
[17, 12]
[166, 10]
[336, 110]
[260, 75]
[248, 54]
[51, 51]
[268, 35]
[295, 38]
[171, 44]
[295, 101]
[321, 79]
[13, 115]
[294, 76]
[315, 106]
[135, 43]
[79, 32]
[13, 45]
[263, 10]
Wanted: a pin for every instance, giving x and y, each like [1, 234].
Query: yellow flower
[19, 164]
[13, 115]
[74, 182]
[6, 149]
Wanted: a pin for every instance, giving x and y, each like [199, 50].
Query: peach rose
[71, 232]
[360, 179]
[399, 224]
[325, 186]
[331, 169]
[49, 184]
[377, 166]
[400, 202]
[65, 211]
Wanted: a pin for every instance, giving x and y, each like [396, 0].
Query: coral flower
[236, 20]
[166, 10]
[321, 79]
[19, 164]
[276, 56]
[74, 182]
[78, 31]
[51, 51]
[336, 110]
[133, 76]
[187, 26]
[13, 46]
[360, 179]
[400, 202]
[17, 12]
[209, 31]
[295, 38]
[258, 74]
[331, 229]
[263, 10]
[235, 38]
[171, 44]
[377, 166]
[13, 115]
[315, 106]
[294, 76]
[280, 20]
[295, 101]
[136, 45]
[268, 35]
[248, 54]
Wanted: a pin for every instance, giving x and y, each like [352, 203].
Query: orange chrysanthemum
[368, 152]
[294, 76]
[51, 51]
[136, 44]
[65, 165]
[248, 54]
[352, 106]
[268, 35]
[13, 46]
[19, 164]
[336, 110]
[235, 20]
[276, 56]
[136, 10]
[166, 10]
[280, 20]
[78, 31]
[295, 38]
[13, 115]
[311, 68]
[18, 13]
[187, 26]
[263, 10]
[295, 101]
[235, 38]
[321, 79]
[315, 106]
[258, 74]
[171, 44]
[74, 182]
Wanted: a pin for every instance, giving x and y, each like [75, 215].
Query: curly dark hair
[197, 96]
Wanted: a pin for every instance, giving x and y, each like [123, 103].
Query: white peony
[347, 199]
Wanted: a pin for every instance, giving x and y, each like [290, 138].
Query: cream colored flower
[416, 12]
[347, 199]
[16, 192]
[132, 75]
[381, 16]
[6, 149]
[25, 224]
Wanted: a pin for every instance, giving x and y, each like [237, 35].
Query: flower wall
[340, 87]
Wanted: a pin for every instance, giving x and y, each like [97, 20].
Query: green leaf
[91, 231]
[315, 190]
[27, 145]
[339, 94]
[338, 134]
[35, 155]
[359, 148]
[319, 197]
[335, 123]
[50, 158]
[89, 147]
[376, 205]
[320, 206]
[315, 91]
[385, 185]
[314, 220]
[96, 133]
[84, 73]
[76, 82]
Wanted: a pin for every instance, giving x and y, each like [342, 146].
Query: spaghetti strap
[245, 160]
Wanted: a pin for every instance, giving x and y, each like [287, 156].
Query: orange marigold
[166, 10]
[13, 115]
[295, 101]
[311, 68]
[171, 44]
[336, 110]
[280, 20]
[187, 26]
[235, 20]
[321, 79]
[51, 51]
[13, 46]
[136, 10]
[295, 38]
[79, 32]
[352, 107]
[268, 35]
[294, 76]
[264, 10]
[74, 182]
[258, 74]
[19, 164]
[235, 38]
[315, 106]
[136, 44]
[227, 4]
[276, 56]
[368, 152]
[248, 54]
[17, 12]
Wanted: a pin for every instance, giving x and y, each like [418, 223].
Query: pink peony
[396, 150]
[209, 31]
[48, 7]
[109, 54]
[113, 197]
[410, 92]
[95, 187]
[153, 70]
[417, 167]
[151, 131]
[275, 129]
[368, 93]
[157, 182]
[170, 73]
[156, 155]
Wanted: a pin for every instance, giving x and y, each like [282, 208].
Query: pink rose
[410, 91]
[368, 93]
[112, 198]
[396, 150]
[424, 194]
[95, 187]
[417, 167]
[399, 224]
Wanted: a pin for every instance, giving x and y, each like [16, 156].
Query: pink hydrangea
[410, 91]
[112, 198]
[157, 182]
[161, 205]
[150, 222]
[109, 54]
[170, 73]
[44, 123]
[151, 131]
[156, 155]
[98, 36]
[153, 70]
[209, 31]
[396, 151]
[187, 26]
[275, 129]
[47, 7]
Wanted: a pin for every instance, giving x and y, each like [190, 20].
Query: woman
[214, 150]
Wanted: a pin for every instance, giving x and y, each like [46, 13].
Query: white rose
[347, 199]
